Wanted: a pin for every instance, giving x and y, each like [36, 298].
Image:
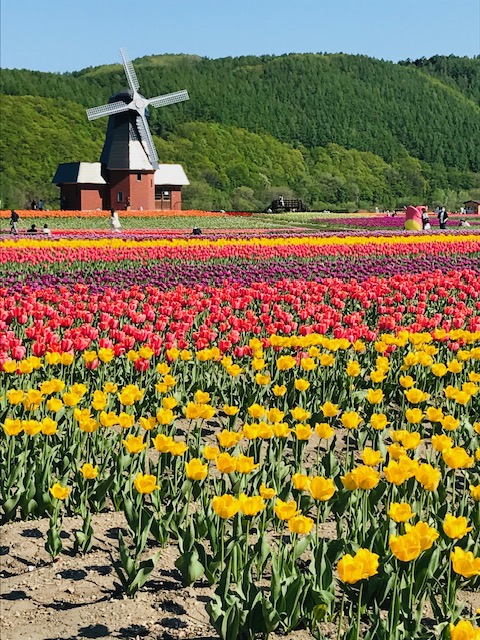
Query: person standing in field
[442, 218]
[14, 218]
[114, 221]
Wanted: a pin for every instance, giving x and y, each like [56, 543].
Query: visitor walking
[14, 218]
[114, 221]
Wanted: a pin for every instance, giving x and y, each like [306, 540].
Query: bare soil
[79, 597]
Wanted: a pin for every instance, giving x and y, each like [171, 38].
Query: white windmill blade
[147, 139]
[168, 98]
[106, 110]
[129, 71]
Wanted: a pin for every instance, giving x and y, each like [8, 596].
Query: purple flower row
[168, 274]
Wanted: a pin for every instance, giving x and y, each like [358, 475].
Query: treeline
[341, 132]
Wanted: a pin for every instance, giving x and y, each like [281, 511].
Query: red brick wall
[141, 192]
[91, 197]
[82, 197]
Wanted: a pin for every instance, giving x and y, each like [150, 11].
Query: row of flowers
[311, 448]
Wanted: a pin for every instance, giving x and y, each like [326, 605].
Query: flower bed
[297, 416]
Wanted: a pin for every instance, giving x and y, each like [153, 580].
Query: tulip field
[293, 417]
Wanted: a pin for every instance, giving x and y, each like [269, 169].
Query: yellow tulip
[465, 563]
[134, 444]
[145, 483]
[303, 431]
[308, 364]
[88, 471]
[266, 492]
[439, 369]
[428, 476]
[49, 427]
[329, 409]
[245, 464]
[285, 510]
[324, 430]
[300, 414]
[425, 534]
[406, 547]
[281, 429]
[353, 369]
[300, 481]
[196, 470]
[178, 448]
[162, 443]
[225, 506]
[415, 396]
[301, 384]
[226, 463]
[400, 511]
[12, 427]
[300, 524]
[230, 410]
[59, 492]
[375, 396]
[464, 630]
[106, 354]
[371, 457]
[125, 420]
[414, 416]
[457, 458]
[363, 565]
[148, 423]
[228, 439]
[321, 488]
[406, 381]
[251, 506]
[361, 477]
[395, 473]
[202, 397]
[256, 411]
[15, 396]
[350, 419]
[279, 390]
[378, 421]
[456, 528]
[441, 442]
[285, 362]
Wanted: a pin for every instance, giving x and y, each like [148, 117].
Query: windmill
[128, 127]
[128, 174]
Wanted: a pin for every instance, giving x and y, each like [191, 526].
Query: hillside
[340, 131]
[460, 73]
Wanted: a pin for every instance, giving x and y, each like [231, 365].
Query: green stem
[340, 618]
[359, 611]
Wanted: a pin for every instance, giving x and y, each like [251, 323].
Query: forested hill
[419, 118]
[461, 73]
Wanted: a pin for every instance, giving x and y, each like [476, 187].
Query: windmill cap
[125, 96]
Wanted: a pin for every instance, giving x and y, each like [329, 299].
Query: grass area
[256, 221]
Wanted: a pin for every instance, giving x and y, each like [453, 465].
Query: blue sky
[69, 35]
